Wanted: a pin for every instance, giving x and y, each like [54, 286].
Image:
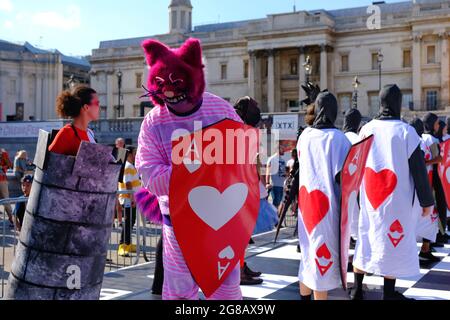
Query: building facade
[265, 58]
[31, 78]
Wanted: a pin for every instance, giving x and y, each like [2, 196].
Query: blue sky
[77, 26]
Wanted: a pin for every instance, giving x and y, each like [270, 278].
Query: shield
[214, 199]
[444, 170]
[351, 179]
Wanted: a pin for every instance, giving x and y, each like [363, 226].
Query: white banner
[287, 124]
[27, 129]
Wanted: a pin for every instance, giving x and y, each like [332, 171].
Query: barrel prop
[62, 249]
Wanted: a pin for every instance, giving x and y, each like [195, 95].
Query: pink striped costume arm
[151, 162]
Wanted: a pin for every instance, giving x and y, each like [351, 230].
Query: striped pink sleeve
[151, 162]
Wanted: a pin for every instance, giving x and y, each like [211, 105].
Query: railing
[143, 235]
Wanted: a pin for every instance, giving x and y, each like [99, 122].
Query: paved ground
[279, 263]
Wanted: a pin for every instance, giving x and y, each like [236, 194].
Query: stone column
[271, 81]
[417, 72]
[301, 73]
[445, 69]
[323, 67]
[109, 78]
[251, 73]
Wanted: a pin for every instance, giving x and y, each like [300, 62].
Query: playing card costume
[352, 122]
[176, 85]
[395, 169]
[431, 138]
[323, 150]
[427, 227]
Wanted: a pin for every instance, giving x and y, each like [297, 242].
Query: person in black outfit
[19, 209]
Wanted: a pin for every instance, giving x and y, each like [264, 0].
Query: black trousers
[130, 220]
[441, 204]
[158, 279]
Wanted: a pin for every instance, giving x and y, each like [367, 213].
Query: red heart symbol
[324, 252]
[314, 207]
[396, 227]
[379, 185]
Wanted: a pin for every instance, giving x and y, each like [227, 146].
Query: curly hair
[70, 102]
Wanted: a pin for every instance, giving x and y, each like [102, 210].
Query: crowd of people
[401, 201]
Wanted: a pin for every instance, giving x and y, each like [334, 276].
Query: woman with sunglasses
[81, 104]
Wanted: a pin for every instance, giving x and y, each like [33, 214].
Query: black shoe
[250, 281]
[437, 245]
[428, 257]
[251, 241]
[356, 294]
[250, 272]
[298, 249]
[397, 296]
[432, 249]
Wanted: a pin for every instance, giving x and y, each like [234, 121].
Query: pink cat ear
[191, 52]
[154, 50]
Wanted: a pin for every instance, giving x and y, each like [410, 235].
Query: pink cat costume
[176, 85]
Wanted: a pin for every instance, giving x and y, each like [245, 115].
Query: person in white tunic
[395, 169]
[427, 227]
[323, 149]
[352, 123]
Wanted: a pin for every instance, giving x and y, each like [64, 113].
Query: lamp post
[356, 83]
[380, 61]
[308, 68]
[119, 79]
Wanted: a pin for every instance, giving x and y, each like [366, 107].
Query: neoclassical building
[270, 58]
[31, 78]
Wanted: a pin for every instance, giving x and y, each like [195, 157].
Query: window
[246, 66]
[183, 19]
[103, 112]
[294, 66]
[138, 80]
[293, 106]
[375, 64]
[344, 63]
[432, 99]
[374, 103]
[407, 102]
[431, 54]
[345, 101]
[174, 19]
[407, 58]
[223, 71]
[136, 111]
[13, 87]
[119, 112]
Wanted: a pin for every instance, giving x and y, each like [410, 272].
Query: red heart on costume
[379, 185]
[314, 207]
[324, 252]
[396, 227]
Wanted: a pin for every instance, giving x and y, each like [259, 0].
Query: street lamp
[380, 59]
[356, 83]
[119, 78]
[308, 68]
